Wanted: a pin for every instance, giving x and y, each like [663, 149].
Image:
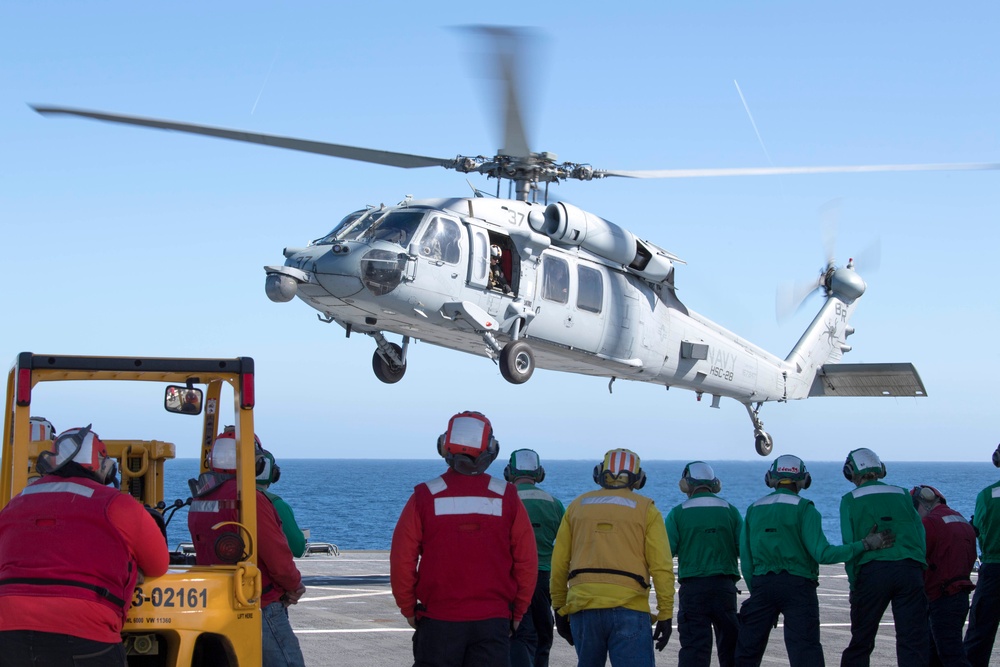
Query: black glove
[562, 627]
[662, 632]
[876, 539]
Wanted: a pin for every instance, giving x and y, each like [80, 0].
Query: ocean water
[354, 503]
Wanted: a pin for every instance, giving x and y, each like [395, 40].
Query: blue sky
[125, 241]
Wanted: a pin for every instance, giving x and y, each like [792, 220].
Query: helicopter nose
[337, 273]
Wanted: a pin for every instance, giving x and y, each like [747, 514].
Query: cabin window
[590, 289]
[440, 241]
[555, 279]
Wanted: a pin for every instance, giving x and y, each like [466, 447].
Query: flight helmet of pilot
[79, 452]
[468, 446]
[620, 469]
[495, 252]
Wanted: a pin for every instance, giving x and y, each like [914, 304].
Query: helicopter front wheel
[387, 371]
[517, 362]
[763, 442]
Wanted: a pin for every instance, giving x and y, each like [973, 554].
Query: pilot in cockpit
[498, 280]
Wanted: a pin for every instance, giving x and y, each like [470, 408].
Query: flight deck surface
[348, 618]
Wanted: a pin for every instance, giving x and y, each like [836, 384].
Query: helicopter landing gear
[517, 362]
[389, 360]
[762, 441]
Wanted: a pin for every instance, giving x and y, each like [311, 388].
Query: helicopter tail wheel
[763, 442]
[386, 371]
[517, 362]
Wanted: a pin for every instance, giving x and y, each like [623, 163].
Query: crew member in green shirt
[704, 533]
[268, 476]
[894, 575]
[530, 645]
[781, 547]
[984, 614]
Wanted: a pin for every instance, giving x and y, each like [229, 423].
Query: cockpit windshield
[393, 225]
[396, 226]
[351, 226]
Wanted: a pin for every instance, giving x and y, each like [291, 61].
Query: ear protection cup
[506, 473]
[849, 470]
[441, 451]
[598, 470]
[641, 481]
[275, 473]
[996, 457]
[684, 486]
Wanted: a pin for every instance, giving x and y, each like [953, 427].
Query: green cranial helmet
[696, 475]
[862, 462]
[524, 463]
[788, 470]
[269, 473]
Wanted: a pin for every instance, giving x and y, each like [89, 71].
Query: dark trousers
[879, 583]
[706, 604]
[461, 643]
[984, 616]
[946, 616]
[27, 648]
[794, 598]
[530, 645]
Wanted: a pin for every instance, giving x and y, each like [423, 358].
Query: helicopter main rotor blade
[389, 158]
[776, 171]
[508, 46]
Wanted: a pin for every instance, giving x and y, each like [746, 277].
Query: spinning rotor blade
[508, 45]
[791, 296]
[389, 158]
[777, 171]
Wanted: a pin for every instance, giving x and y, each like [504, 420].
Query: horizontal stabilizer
[867, 380]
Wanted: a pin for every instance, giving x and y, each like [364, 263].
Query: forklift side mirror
[182, 400]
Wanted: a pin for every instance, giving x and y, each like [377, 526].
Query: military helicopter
[538, 284]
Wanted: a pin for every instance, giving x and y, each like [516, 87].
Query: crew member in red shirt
[71, 551]
[463, 562]
[951, 555]
[215, 501]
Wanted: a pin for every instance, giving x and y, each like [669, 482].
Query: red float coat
[274, 558]
[464, 549]
[76, 530]
[951, 553]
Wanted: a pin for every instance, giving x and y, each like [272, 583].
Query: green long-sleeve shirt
[704, 533]
[296, 538]
[875, 503]
[784, 532]
[987, 521]
[546, 513]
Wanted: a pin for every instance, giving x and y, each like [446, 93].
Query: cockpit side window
[440, 241]
[555, 279]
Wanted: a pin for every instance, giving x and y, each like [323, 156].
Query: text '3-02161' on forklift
[192, 615]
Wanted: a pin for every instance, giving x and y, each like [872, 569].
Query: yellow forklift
[198, 616]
